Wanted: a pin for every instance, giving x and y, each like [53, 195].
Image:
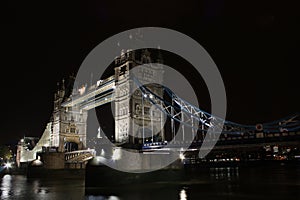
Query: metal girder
[191, 116]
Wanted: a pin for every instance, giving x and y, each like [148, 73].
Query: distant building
[24, 149]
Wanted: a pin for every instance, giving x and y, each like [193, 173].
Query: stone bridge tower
[132, 111]
[69, 123]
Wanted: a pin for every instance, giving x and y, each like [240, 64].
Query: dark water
[267, 182]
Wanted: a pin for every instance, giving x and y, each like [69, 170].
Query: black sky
[254, 44]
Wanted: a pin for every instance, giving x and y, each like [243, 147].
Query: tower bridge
[66, 133]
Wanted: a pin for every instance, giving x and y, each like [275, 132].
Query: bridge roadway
[244, 144]
[283, 139]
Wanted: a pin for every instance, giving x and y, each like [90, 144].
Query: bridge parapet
[79, 156]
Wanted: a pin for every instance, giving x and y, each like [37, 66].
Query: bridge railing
[79, 156]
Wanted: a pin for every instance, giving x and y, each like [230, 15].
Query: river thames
[256, 182]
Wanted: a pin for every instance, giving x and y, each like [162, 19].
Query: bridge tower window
[72, 130]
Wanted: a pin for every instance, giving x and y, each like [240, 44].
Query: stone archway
[70, 146]
[71, 142]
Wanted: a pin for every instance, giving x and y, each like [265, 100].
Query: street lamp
[8, 165]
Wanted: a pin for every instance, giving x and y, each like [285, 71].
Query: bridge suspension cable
[189, 115]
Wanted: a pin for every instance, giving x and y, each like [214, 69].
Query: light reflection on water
[5, 186]
[183, 195]
[19, 187]
[221, 173]
[215, 183]
[91, 197]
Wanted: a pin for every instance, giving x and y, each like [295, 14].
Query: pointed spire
[63, 84]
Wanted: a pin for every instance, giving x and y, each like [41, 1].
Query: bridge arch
[72, 143]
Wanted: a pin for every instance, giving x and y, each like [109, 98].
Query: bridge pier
[100, 175]
[75, 165]
[53, 160]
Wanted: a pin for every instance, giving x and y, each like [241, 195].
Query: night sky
[254, 44]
